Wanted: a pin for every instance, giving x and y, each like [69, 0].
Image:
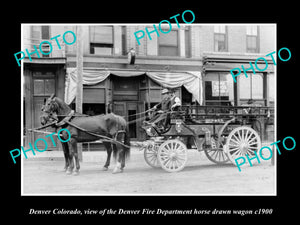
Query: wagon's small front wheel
[172, 155]
[150, 154]
[242, 141]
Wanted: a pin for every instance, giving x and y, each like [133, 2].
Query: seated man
[175, 102]
[169, 102]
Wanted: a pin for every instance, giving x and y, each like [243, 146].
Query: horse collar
[66, 119]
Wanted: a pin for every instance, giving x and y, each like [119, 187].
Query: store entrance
[128, 110]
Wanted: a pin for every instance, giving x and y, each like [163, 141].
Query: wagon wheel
[241, 141]
[150, 154]
[216, 154]
[172, 155]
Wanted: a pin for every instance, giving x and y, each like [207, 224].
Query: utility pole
[79, 88]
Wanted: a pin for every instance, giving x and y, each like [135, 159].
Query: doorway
[43, 87]
[128, 110]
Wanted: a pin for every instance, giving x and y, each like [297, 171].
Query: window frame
[219, 100]
[159, 45]
[100, 44]
[250, 76]
[251, 34]
[219, 32]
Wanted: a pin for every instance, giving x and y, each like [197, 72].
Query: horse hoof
[69, 172]
[104, 168]
[117, 170]
[76, 173]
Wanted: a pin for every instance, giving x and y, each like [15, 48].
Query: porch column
[79, 91]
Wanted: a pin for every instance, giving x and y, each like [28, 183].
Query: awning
[191, 80]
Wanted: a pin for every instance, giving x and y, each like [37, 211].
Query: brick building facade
[211, 50]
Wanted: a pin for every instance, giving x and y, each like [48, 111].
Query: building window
[101, 40]
[252, 39]
[220, 37]
[218, 89]
[93, 109]
[168, 44]
[39, 34]
[251, 87]
[45, 32]
[124, 45]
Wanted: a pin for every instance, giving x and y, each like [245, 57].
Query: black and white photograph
[150, 112]
[145, 109]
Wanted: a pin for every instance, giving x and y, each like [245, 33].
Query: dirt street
[199, 177]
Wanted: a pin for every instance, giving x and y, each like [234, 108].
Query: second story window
[39, 34]
[45, 32]
[252, 39]
[220, 38]
[168, 44]
[101, 40]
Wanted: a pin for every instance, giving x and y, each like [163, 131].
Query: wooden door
[128, 110]
[43, 87]
[131, 109]
[119, 108]
[37, 105]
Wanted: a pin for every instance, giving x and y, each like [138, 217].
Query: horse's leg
[120, 155]
[123, 159]
[124, 150]
[75, 153]
[66, 154]
[108, 150]
[71, 162]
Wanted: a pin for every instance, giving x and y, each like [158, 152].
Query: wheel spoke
[236, 138]
[253, 139]
[235, 141]
[177, 164]
[242, 135]
[253, 144]
[237, 152]
[223, 156]
[167, 162]
[169, 147]
[232, 149]
[239, 135]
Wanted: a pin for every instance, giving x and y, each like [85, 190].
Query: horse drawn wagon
[224, 133]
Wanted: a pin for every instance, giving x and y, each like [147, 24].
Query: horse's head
[49, 110]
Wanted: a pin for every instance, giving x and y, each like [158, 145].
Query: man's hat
[164, 91]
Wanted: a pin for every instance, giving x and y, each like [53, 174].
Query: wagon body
[222, 132]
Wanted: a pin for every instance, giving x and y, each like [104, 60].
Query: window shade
[101, 34]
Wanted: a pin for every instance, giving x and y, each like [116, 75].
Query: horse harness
[67, 119]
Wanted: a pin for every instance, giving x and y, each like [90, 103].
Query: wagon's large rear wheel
[242, 141]
[172, 155]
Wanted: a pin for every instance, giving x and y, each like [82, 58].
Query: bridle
[50, 112]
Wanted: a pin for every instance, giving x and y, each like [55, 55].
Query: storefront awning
[191, 80]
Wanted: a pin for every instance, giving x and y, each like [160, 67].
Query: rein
[108, 139]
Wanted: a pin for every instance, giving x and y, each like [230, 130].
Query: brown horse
[109, 125]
